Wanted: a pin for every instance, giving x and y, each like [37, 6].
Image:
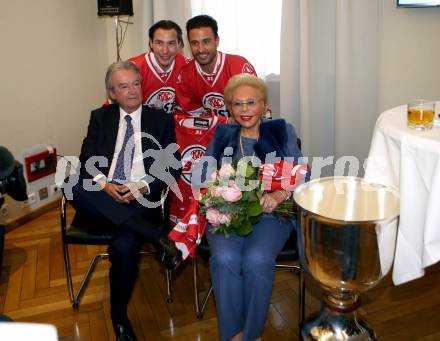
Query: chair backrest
[84, 229]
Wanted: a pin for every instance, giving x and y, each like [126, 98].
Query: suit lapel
[111, 124]
[146, 127]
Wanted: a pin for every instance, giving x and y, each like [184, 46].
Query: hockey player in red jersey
[199, 97]
[200, 85]
[193, 135]
[161, 66]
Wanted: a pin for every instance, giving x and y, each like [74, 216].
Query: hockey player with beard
[199, 89]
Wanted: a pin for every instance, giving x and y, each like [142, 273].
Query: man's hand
[116, 191]
[134, 190]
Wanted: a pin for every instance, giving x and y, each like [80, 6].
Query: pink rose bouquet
[232, 201]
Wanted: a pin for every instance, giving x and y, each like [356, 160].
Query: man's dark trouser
[132, 226]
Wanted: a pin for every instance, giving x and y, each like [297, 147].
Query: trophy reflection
[347, 242]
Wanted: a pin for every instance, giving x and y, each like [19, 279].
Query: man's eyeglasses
[250, 104]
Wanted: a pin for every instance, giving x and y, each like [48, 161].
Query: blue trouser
[242, 272]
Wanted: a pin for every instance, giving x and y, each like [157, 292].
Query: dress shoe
[124, 332]
[170, 256]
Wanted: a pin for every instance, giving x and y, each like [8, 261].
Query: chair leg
[302, 297]
[301, 290]
[69, 275]
[199, 305]
[86, 277]
[74, 299]
[169, 278]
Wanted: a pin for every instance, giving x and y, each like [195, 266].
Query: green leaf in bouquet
[246, 170]
[255, 219]
[236, 222]
[241, 167]
[250, 172]
[254, 209]
[253, 196]
[245, 196]
[244, 229]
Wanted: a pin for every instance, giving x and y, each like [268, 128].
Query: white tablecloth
[409, 161]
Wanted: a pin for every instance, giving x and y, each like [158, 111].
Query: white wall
[410, 55]
[54, 56]
[53, 61]
[136, 39]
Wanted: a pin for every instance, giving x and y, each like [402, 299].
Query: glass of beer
[421, 114]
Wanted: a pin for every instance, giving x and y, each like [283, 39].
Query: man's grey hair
[116, 66]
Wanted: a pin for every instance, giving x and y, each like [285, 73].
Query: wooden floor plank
[29, 274]
[33, 289]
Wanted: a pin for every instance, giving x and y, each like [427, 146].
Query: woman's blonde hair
[244, 79]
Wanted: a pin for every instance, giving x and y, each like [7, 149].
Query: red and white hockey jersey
[158, 87]
[193, 134]
[199, 93]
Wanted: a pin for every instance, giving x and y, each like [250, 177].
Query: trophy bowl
[347, 239]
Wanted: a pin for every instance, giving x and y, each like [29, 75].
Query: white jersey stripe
[152, 64]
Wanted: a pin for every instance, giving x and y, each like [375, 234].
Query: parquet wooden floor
[33, 289]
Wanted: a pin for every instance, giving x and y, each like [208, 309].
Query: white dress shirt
[137, 169]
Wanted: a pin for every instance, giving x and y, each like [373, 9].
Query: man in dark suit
[127, 160]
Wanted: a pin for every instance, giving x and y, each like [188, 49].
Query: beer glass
[420, 114]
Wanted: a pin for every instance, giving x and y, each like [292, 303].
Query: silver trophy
[347, 242]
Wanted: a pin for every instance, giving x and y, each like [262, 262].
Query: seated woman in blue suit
[242, 268]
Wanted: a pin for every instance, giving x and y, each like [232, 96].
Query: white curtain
[329, 63]
[154, 10]
[250, 28]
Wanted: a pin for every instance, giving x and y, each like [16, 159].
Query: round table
[409, 161]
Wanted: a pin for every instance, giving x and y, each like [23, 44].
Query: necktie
[124, 162]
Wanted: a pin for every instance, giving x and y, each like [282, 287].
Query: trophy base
[336, 326]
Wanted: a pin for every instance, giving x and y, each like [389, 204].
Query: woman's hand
[270, 201]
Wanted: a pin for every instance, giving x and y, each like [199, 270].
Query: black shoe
[124, 332]
[170, 256]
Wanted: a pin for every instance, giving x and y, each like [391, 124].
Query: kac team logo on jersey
[190, 155]
[248, 68]
[164, 98]
[215, 102]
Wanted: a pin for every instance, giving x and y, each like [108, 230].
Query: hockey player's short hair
[167, 25]
[200, 21]
[244, 79]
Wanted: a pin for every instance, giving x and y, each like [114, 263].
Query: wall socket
[32, 199]
[53, 189]
[43, 193]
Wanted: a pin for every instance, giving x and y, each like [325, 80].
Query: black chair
[85, 230]
[200, 303]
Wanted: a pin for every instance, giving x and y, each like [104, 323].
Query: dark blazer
[277, 138]
[101, 141]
